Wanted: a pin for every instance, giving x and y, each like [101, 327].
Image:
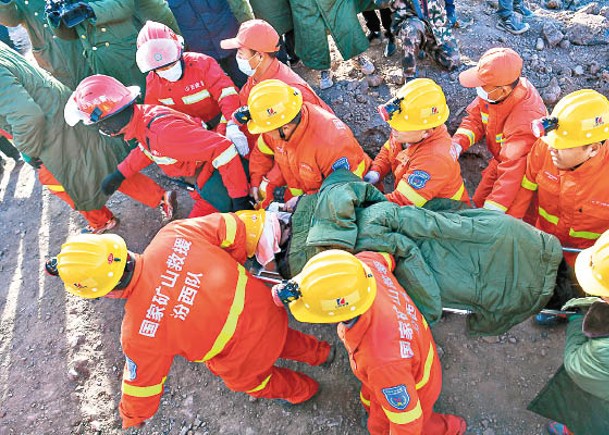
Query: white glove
[372, 177]
[238, 138]
[458, 148]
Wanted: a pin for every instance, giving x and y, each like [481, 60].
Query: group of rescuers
[550, 170]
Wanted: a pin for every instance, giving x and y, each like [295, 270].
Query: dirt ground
[60, 357]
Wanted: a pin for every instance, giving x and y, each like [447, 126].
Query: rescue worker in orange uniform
[390, 346]
[192, 83]
[187, 296]
[173, 140]
[567, 171]
[419, 151]
[502, 115]
[306, 142]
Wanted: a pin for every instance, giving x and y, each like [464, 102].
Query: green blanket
[500, 268]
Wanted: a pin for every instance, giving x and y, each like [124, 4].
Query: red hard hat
[157, 46]
[96, 98]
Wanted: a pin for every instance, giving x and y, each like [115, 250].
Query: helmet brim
[585, 276]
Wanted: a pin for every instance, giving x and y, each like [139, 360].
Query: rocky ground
[60, 358]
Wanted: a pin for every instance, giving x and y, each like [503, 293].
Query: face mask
[172, 74]
[484, 95]
[244, 66]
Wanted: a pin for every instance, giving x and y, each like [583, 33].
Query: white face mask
[172, 74]
[484, 95]
[244, 65]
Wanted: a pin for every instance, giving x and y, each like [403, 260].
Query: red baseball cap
[257, 35]
[497, 67]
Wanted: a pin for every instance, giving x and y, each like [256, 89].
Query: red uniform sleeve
[511, 167]
[394, 398]
[261, 161]
[345, 154]
[144, 378]
[471, 129]
[384, 159]
[135, 161]
[151, 96]
[528, 184]
[382, 257]
[220, 86]
[423, 181]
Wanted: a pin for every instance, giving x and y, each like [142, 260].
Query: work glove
[372, 177]
[291, 204]
[242, 115]
[112, 182]
[242, 203]
[457, 147]
[254, 193]
[75, 13]
[237, 137]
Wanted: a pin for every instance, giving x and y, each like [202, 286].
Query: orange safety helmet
[157, 46]
[97, 97]
[254, 224]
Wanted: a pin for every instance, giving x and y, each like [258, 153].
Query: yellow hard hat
[91, 265]
[254, 224]
[419, 105]
[583, 118]
[335, 286]
[592, 267]
[272, 104]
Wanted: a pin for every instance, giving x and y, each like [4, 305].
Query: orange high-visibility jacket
[280, 71]
[320, 145]
[204, 91]
[181, 147]
[423, 171]
[188, 297]
[573, 205]
[506, 127]
[393, 354]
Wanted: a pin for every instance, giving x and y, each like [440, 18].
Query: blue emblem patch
[341, 163]
[418, 179]
[397, 397]
[130, 372]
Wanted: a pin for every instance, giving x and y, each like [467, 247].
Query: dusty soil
[60, 357]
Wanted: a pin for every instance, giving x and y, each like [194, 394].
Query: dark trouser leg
[289, 41]
[372, 21]
[447, 54]
[386, 17]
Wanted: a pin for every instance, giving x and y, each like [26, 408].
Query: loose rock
[578, 70]
[552, 34]
[374, 80]
[539, 44]
[552, 93]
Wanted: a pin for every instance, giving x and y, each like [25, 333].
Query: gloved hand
[457, 147]
[242, 203]
[291, 204]
[237, 137]
[112, 182]
[75, 13]
[241, 115]
[254, 193]
[372, 177]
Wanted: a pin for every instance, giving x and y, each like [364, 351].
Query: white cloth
[268, 245]
[372, 177]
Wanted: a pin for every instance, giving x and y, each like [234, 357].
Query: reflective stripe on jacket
[573, 205]
[188, 297]
[393, 354]
[320, 145]
[506, 127]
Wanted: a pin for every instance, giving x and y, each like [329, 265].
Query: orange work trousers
[277, 382]
[139, 187]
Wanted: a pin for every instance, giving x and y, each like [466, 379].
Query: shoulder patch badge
[341, 163]
[130, 372]
[397, 396]
[418, 179]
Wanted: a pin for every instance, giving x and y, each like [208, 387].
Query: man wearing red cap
[502, 115]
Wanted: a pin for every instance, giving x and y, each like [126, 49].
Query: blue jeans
[449, 5]
[506, 8]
